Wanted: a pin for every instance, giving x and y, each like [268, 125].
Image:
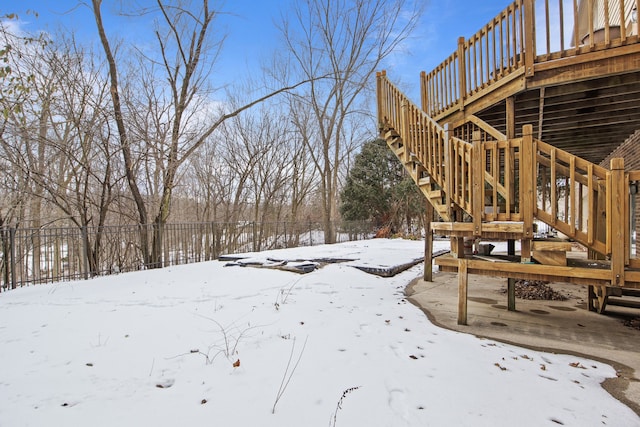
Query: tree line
[113, 133]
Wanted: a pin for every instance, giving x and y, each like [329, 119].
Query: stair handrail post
[462, 74]
[404, 130]
[615, 219]
[424, 94]
[477, 172]
[379, 76]
[529, 37]
[448, 172]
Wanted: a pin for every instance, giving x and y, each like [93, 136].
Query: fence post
[214, 243]
[254, 236]
[5, 256]
[12, 249]
[85, 253]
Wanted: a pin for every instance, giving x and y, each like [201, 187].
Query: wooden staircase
[490, 175]
[419, 173]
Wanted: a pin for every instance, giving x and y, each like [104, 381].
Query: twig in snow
[332, 422]
[284, 294]
[286, 377]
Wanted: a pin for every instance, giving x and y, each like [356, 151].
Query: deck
[513, 131]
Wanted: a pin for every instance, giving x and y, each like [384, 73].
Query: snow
[336, 346]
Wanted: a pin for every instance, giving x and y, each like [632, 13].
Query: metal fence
[42, 255]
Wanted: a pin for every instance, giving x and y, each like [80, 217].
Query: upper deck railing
[525, 34]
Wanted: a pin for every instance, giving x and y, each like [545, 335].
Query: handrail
[444, 157]
[526, 33]
[568, 192]
[496, 179]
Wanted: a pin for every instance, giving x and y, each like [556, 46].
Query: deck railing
[521, 179]
[444, 157]
[525, 34]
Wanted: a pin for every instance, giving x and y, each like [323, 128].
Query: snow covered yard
[205, 344]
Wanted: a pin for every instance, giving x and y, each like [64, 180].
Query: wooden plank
[550, 245]
[486, 127]
[452, 226]
[503, 227]
[518, 270]
[550, 257]
[467, 228]
[463, 283]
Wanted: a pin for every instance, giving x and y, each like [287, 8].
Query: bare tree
[347, 40]
[184, 44]
[19, 129]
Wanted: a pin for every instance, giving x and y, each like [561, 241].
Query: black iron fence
[42, 255]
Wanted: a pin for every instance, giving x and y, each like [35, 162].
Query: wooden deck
[512, 130]
[579, 97]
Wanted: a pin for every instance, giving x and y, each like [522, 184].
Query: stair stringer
[420, 175]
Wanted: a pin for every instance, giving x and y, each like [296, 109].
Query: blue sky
[252, 35]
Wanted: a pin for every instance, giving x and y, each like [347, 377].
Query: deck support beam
[428, 243]
[463, 285]
[511, 294]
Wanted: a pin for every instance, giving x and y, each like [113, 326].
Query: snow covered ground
[205, 344]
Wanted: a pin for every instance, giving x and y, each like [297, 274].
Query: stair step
[621, 302]
[631, 292]
[391, 134]
[424, 181]
[434, 195]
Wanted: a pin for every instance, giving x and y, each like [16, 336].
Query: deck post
[618, 228]
[462, 73]
[511, 294]
[529, 37]
[428, 243]
[463, 277]
[527, 183]
[424, 93]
